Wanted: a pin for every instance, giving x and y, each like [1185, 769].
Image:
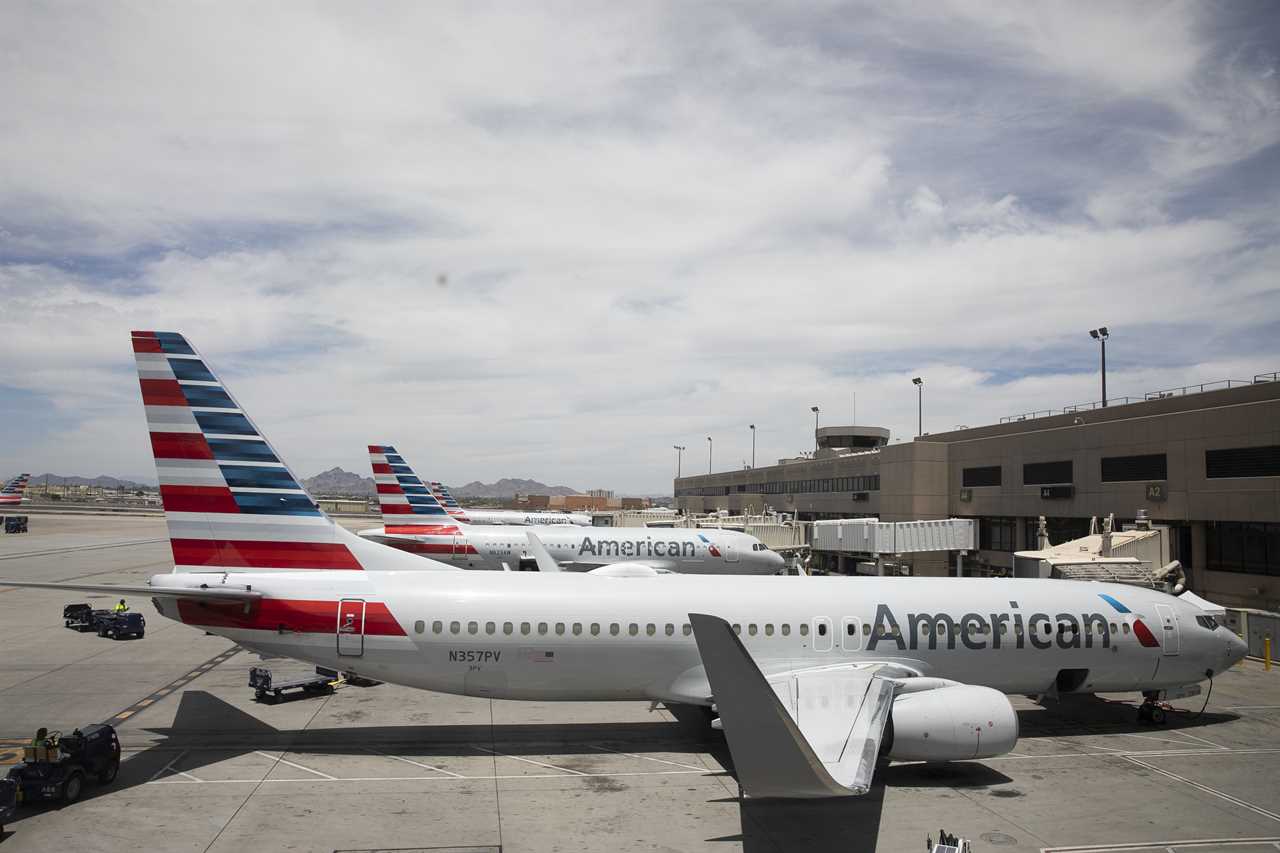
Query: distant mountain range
[96, 482]
[338, 482]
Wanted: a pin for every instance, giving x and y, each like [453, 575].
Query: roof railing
[1201, 388]
[1196, 389]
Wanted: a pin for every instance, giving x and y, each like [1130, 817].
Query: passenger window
[419, 626]
[577, 628]
[786, 629]
[490, 628]
[737, 628]
[1126, 627]
[866, 629]
[850, 629]
[671, 630]
[633, 629]
[650, 629]
[804, 629]
[595, 629]
[1114, 629]
[751, 629]
[822, 629]
[455, 627]
[437, 627]
[559, 629]
[524, 628]
[614, 628]
[542, 628]
[507, 628]
[768, 629]
[687, 629]
[473, 627]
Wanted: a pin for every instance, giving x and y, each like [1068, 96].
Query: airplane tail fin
[230, 501]
[441, 491]
[15, 487]
[407, 504]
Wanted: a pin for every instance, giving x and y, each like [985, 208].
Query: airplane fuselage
[511, 516]
[691, 551]
[578, 637]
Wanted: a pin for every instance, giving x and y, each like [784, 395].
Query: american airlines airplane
[814, 679]
[415, 521]
[489, 516]
[11, 492]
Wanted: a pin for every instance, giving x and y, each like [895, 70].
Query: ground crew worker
[42, 735]
[121, 607]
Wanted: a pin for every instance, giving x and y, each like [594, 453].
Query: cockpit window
[1207, 622]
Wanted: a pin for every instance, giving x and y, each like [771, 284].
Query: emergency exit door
[351, 627]
[730, 553]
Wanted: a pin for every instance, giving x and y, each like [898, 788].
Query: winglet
[546, 562]
[771, 756]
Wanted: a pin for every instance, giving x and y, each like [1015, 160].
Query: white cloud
[655, 223]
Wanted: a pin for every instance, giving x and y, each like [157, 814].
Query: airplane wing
[220, 593]
[807, 733]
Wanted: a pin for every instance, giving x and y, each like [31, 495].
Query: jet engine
[952, 723]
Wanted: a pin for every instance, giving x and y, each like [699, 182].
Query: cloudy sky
[552, 242]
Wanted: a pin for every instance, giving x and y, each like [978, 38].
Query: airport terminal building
[1203, 460]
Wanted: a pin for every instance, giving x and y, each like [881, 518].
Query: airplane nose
[1237, 650]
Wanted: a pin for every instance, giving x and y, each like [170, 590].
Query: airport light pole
[1100, 335]
[679, 449]
[815, 411]
[710, 444]
[753, 444]
[919, 383]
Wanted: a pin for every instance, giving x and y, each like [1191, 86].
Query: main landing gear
[1151, 711]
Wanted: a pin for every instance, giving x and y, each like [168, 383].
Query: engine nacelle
[951, 724]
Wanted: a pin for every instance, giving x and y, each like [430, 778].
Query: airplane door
[1170, 639]
[351, 627]
[730, 553]
[851, 635]
[821, 634]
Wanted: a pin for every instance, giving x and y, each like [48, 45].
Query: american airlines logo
[635, 548]
[1010, 628]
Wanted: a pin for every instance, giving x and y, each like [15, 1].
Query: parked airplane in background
[413, 520]
[813, 678]
[504, 516]
[11, 492]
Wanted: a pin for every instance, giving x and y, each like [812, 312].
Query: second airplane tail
[408, 506]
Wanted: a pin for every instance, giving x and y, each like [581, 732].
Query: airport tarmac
[386, 768]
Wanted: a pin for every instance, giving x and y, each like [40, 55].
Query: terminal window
[1250, 547]
[1042, 473]
[1128, 469]
[1242, 462]
[986, 476]
[996, 534]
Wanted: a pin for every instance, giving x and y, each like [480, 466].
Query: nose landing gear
[1151, 711]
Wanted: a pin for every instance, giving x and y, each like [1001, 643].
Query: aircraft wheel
[73, 787]
[1158, 716]
[107, 776]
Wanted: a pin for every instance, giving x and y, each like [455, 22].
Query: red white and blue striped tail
[11, 492]
[230, 502]
[450, 505]
[408, 506]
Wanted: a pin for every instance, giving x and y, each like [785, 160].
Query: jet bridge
[877, 539]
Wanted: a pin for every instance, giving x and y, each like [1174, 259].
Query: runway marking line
[171, 781]
[649, 758]
[1162, 845]
[418, 764]
[1222, 795]
[282, 760]
[531, 761]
